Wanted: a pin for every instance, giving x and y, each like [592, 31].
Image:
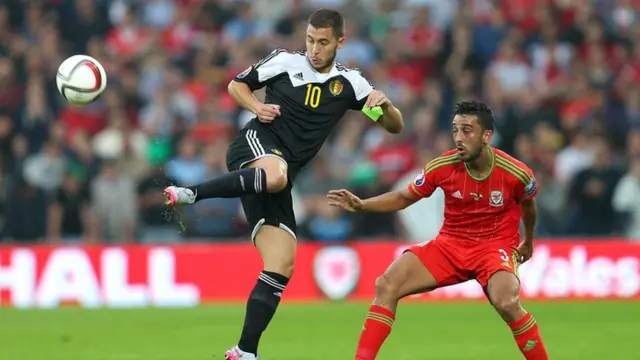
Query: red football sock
[376, 329]
[528, 338]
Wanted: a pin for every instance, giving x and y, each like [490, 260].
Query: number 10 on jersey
[313, 96]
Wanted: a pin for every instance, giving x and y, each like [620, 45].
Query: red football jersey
[476, 209]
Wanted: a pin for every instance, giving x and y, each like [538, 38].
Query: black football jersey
[311, 103]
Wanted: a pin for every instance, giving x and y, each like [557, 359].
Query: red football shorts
[453, 261]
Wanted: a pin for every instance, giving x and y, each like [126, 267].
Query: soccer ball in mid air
[81, 79]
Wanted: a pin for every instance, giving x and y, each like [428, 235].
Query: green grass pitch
[324, 331]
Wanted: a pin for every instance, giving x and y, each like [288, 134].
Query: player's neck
[481, 167]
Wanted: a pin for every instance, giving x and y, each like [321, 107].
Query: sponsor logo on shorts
[420, 179]
[496, 199]
[277, 152]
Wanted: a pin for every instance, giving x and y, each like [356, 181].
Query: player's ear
[486, 136]
[341, 42]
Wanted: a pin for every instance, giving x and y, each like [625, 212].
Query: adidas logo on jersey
[457, 195]
[298, 76]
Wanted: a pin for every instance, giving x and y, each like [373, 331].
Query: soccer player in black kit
[307, 93]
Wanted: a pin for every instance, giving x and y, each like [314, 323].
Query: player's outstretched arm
[387, 202]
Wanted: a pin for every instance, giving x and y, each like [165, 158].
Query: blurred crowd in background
[561, 76]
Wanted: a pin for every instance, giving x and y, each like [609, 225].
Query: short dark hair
[479, 109]
[327, 18]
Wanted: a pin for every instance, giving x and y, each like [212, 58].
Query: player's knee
[277, 180]
[275, 170]
[385, 288]
[276, 173]
[282, 265]
[507, 304]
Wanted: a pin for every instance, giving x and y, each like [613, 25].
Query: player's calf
[503, 290]
[277, 248]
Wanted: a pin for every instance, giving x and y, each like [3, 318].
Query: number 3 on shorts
[510, 261]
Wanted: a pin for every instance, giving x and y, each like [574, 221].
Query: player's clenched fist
[267, 112]
[377, 98]
[344, 199]
[526, 251]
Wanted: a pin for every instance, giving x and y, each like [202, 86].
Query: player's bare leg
[405, 276]
[503, 290]
[267, 174]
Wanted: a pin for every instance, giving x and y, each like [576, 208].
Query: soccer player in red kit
[487, 193]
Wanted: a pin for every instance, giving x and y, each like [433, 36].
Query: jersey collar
[493, 161]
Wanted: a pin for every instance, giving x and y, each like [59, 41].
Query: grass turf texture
[434, 331]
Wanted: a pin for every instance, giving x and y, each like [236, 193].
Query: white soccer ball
[81, 79]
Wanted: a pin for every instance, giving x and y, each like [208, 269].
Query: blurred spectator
[187, 167]
[155, 219]
[576, 157]
[329, 224]
[113, 199]
[591, 195]
[626, 199]
[69, 219]
[45, 169]
[26, 215]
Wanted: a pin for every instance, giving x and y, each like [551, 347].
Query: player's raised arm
[387, 202]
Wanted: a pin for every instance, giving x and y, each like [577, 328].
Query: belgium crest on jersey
[336, 87]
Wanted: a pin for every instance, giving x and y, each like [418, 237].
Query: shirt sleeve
[526, 187]
[361, 88]
[258, 75]
[424, 184]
